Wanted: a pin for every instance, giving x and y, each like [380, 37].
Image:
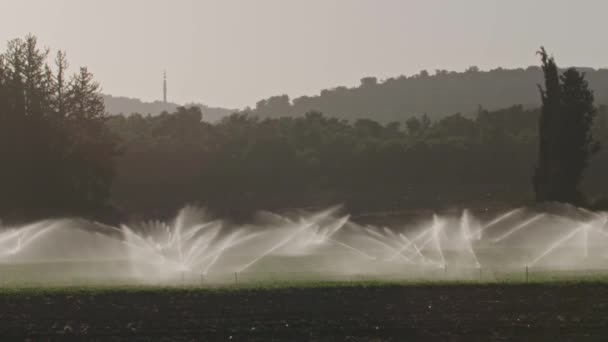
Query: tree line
[244, 163]
[63, 155]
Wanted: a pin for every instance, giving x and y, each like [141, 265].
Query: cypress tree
[566, 143]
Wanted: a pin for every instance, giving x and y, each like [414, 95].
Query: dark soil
[558, 312]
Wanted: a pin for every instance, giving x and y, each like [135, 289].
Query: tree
[56, 150]
[36, 77]
[580, 114]
[472, 69]
[61, 84]
[275, 106]
[85, 98]
[413, 125]
[565, 140]
[425, 122]
[91, 148]
[369, 82]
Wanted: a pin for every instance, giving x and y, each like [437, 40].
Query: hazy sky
[232, 53]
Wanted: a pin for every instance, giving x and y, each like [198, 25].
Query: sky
[232, 53]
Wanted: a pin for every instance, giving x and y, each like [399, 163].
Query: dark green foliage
[59, 151]
[565, 134]
[244, 163]
[56, 151]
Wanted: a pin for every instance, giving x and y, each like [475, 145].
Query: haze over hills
[395, 99]
[116, 105]
[441, 94]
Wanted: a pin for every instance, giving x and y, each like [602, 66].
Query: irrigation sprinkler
[192, 247]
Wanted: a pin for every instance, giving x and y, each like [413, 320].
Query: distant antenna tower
[165, 86]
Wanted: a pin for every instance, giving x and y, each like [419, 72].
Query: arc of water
[226, 244]
[336, 227]
[197, 228]
[143, 245]
[26, 238]
[494, 222]
[597, 215]
[408, 244]
[423, 246]
[389, 247]
[179, 222]
[433, 231]
[378, 238]
[407, 241]
[586, 242]
[21, 232]
[146, 243]
[339, 243]
[279, 217]
[598, 227]
[519, 227]
[277, 246]
[175, 240]
[208, 256]
[438, 227]
[465, 231]
[201, 244]
[10, 235]
[416, 249]
[197, 251]
[375, 233]
[129, 244]
[391, 233]
[404, 238]
[215, 255]
[134, 245]
[188, 251]
[600, 222]
[152, 226]
[320, 215]
[559, 242]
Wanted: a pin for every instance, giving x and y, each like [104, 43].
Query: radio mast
[165, 86]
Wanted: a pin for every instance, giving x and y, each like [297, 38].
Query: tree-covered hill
[439, 95]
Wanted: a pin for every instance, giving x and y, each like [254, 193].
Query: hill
[439, 95]
[124, 105]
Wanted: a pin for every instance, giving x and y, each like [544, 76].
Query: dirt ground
[556, 312]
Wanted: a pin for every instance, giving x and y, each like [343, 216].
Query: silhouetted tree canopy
[57, 153]
[244, 163]
[565, 132]
[61, 154]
